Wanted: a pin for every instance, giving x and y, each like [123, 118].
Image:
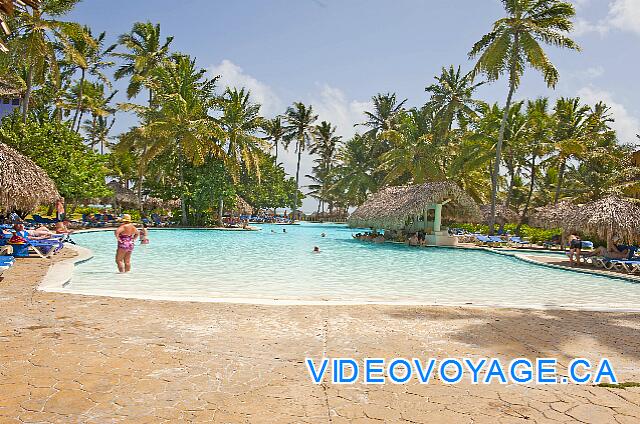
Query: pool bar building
[417, 208]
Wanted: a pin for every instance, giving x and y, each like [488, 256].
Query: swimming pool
[269, 265]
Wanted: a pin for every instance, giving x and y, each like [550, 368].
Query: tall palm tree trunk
[496, 165]
[561, 169]
[525, 211]
[295, 205]
[276, 156]
[220, 211]
[183, 203]
[27, 94]
[80, 94]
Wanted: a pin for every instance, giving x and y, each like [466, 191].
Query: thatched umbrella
[157, 203]
[392, 206]
[122, 195]
[504, 215]
[242, 206]
[552, 216]
[23, 184]
[611, 218]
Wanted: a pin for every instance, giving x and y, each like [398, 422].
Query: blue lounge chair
[519, 241]
[497, 240]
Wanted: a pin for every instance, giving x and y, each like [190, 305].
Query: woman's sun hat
[126, 218]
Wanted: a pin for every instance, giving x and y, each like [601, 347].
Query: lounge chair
[519, 241]
[628, 265]
[6, 262]
[45, 248]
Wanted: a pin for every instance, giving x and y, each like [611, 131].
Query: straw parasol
[23, 184]
[611, 218]
[157, 203]
[504, 215]
[552, 216]
[242, 206]
[8, 89]
[392, 206]
[122, 195]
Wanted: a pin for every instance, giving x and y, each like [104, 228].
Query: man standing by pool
[126, 234]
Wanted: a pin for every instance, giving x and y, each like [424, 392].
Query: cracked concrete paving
[68, 358]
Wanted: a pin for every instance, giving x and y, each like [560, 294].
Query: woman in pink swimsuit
[126, 234]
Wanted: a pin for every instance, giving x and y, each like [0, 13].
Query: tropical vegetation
[205, 144]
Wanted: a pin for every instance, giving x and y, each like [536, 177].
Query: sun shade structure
[612, 218]
[408, 208]
[242, 206]
[122, 195]
[157, 203]
[8, 89]
[23, 184]
[552, 216]
[504, 215]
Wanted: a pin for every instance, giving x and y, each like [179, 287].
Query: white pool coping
[60, 273]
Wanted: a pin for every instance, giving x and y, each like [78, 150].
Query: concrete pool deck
[69, 358]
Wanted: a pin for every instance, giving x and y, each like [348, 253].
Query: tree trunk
[561, 169]
[496, 165]
[295, 205]
[80, 121]
[276, 156]
[525, 211]
[80, 94]
[183, 203]
[220, 211]
[27, 94]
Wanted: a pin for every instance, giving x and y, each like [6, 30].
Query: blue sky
[336, 54]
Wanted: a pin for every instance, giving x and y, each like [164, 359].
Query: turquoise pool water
[265, 266]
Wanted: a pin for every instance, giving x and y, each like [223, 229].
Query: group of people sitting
[234, 222]
[373, 236]
[614, 251]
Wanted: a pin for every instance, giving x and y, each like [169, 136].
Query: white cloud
[582, 27]
[623, 15]
[232, 75]
[334, 107]
[330, 103]
[626, 125]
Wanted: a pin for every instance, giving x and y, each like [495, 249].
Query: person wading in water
[126, 235]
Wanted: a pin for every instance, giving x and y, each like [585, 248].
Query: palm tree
[514, 43]
[37, 34]
[452, 99]
[90, 58]
[180, 123]
[539, 125]
[275, 132]
[299, 127]
[384, 117]
[146, 51]
[354, 174]
[414, 157]
[240, 122]
[574, 131]
[325, 145]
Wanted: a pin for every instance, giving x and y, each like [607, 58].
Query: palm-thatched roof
[23, 184]
[242, 206]
[122, 195]
[157, 203]
[504, 215]
[392, 206]
[9, 89]
[552, 216]
[611, 218]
